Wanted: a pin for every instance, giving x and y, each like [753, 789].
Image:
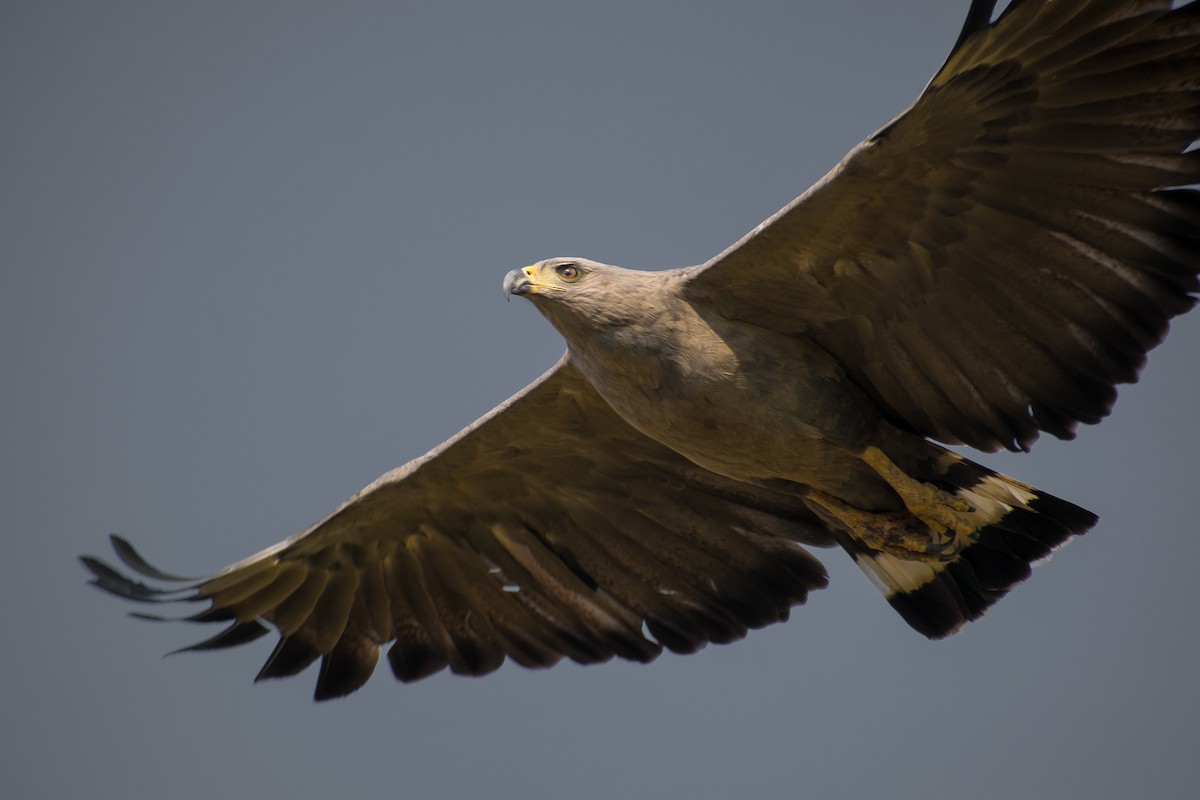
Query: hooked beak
[519, 282]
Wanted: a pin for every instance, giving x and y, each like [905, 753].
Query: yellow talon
[896, 533]
[938, 509]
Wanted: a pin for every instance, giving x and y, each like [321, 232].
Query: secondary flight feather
[988, 266]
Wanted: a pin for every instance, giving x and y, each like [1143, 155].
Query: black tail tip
[1002, 556]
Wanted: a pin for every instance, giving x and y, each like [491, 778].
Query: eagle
[988, 266]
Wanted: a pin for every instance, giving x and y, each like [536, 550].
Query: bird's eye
[568, 272]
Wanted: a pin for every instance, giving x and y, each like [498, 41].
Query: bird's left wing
[549, 528]
[991, 263]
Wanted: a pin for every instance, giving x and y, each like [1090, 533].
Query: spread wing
[1001, 255]
[549, 528]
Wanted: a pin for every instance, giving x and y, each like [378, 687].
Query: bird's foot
[896, 533]
[944, 513]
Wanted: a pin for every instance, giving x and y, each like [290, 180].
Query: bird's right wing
[993, 262]
[549, 528]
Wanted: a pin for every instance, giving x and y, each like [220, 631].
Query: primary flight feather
[988, 266]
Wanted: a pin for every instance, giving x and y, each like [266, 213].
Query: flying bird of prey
[988, 266]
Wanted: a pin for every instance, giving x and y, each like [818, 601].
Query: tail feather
[1018, 527]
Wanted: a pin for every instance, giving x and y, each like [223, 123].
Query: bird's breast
[733, 398]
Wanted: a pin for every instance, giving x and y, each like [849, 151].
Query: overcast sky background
[251, 258]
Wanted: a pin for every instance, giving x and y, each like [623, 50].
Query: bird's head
[554, 278]
[578, 295]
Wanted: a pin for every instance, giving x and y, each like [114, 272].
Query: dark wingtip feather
[979, 16]
[133, 559]
[411, 661]
[208, 615]
[345, 670]
[113, 582]
[291, 656]
[234, 635]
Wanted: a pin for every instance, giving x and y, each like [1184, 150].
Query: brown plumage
[988, 266]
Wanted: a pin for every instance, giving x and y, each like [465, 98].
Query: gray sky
[251, 259]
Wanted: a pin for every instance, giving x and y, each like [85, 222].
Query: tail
[1017, 527]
